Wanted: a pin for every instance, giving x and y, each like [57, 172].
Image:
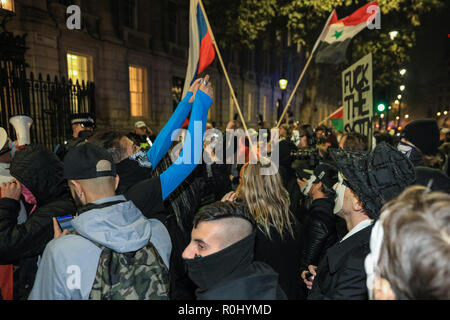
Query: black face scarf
[133, 170]
[227, 264]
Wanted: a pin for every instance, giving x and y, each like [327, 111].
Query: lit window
[137, 91]
[7, 5]
[78, 68]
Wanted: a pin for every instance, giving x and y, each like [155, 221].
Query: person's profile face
[129, 146]
[141, 131]
[206, 240]
[303, 141]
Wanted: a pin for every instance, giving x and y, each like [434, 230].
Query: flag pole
[295, 90]
[321, 36]
[226, 74]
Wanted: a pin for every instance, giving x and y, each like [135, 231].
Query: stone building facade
[153, 36]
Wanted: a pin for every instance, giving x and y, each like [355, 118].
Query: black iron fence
[49, 102]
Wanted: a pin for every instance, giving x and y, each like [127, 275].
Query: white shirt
[360, 226]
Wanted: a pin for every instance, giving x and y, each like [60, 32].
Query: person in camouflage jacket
[114, 252]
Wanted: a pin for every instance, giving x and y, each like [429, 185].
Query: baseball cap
[87, 161]
[327, 174]
[140, 124]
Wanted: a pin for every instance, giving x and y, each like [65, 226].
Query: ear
[78, 188]
[358, 206]
[317, 187]
[384, 292]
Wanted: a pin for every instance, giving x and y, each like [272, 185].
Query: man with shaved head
[220, 257]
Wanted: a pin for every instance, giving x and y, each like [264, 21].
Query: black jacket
[232, 274]
[341, 274]
[42, 173]
[283, 255]
[319, 233]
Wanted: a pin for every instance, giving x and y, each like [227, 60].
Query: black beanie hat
[424, 134]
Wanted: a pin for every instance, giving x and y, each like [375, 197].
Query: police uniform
[86, 121]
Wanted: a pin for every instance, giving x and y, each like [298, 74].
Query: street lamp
[439, 114]
[402, 88]
[445, 113]
[393, 34]
[397, 102]
[403, 72]
[407, 116]
[283, 86]
[399, 97]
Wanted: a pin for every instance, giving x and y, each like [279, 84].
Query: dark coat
[283, 255]
[341, 274]
[42, 173]
[319, 232]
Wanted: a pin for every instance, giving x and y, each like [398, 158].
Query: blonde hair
[267, 199]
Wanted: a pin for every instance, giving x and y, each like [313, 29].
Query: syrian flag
[201, 47]
[337, 34]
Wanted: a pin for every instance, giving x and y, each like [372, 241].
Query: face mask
[142, 159]
[340, 193]
[307, 187]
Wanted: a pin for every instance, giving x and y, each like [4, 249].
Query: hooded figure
[45, 195]
[420, 138]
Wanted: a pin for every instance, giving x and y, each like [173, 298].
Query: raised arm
[177, 173]
[163, 142]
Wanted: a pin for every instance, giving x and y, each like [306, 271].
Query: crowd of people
[344, 217]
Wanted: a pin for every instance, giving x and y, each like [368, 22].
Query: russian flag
[201, 47]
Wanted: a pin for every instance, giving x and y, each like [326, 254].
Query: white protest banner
[357, 88]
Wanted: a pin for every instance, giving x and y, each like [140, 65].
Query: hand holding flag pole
[227, 78]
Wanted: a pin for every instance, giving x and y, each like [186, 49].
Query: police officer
[83, 125]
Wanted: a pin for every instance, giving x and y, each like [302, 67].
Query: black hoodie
[42, 173]
[231, 274]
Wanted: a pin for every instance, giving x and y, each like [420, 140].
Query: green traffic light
[381, 107]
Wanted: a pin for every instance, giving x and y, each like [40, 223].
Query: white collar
[360, 226]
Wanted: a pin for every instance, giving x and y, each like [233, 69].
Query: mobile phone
[65, 223]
